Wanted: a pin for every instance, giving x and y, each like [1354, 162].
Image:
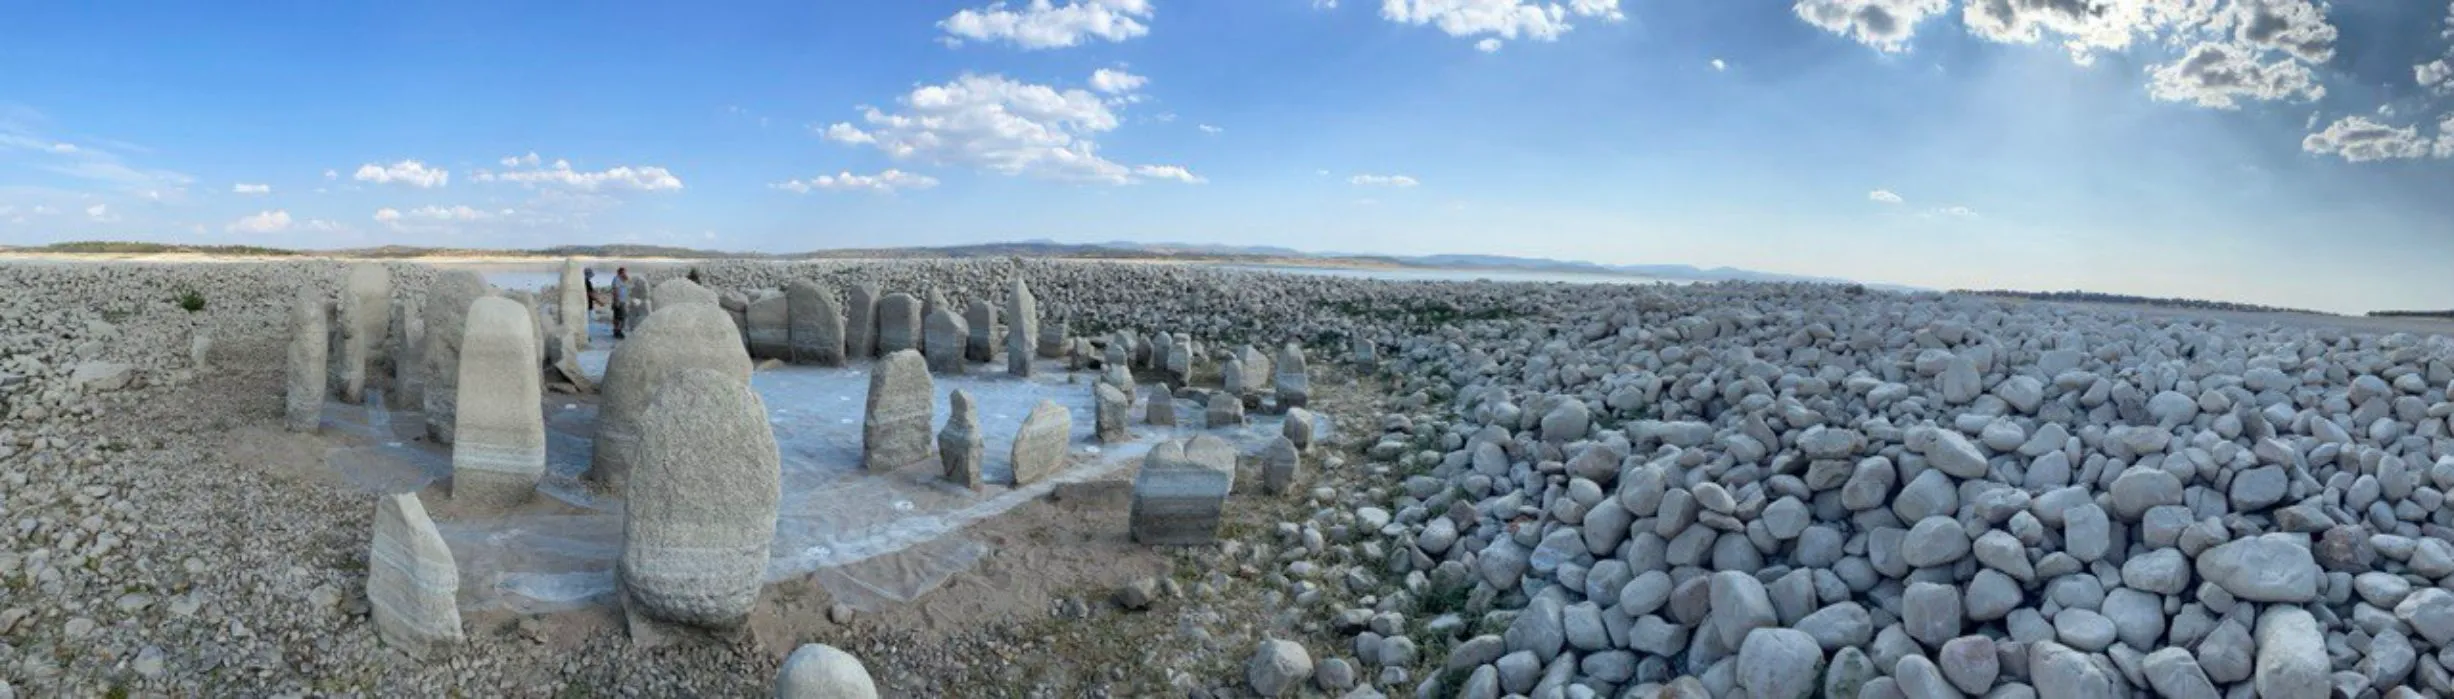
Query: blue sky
[2275, 151]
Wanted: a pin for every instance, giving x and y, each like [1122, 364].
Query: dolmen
[447, 313]
[817, 333]
[1180, 496]
[498, 452]
[688, 336]
[896, 422]
[1039, 446]
[303, 403]
[412, 585]
[701, 504]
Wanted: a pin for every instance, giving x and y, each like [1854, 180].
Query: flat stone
[412, 584]
[2265, 568]
[1039, 447]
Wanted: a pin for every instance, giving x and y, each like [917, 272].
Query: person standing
[621, 300]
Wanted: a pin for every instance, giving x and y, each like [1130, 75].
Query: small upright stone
[447, 315]
[1181, 492]
[980, 318]
[898, 324]
[571, 304]
[1180, 361]
[817, 325]
[959, 447]
[1052, 338]
[366, 317]
[1022, 320]
[895, 431]
[689, 336]
[1232, 380]
[1224, 411]
[702, 505]
[1114, 408]
[1293, 382]
[818, 671]
[500, 450]
[861, 322]
[1298, 428]
[408, 340]
[944, 342]
[1280, 464]
[412, 584]
[770, 318]
[304, 402]
[1039, 447]
[1162, 410]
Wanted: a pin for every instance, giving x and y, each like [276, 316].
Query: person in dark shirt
[621, 300]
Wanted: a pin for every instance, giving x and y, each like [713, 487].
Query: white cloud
[2213, 75]
[101, 213]
[2296, 27]
[1168, 172]
[406, 172]
[529, 160]
[2433, 73]
[322, 226]
[244, 188]
[1116, 82]
[437, 214]
[2084, 26]
[887, 182]
[1883, 24]
[641, 178]
[63, 148]
[1884, 196]
[997, 124]
[1042, 24]
[387, 215]
[2445, 137]
[1503, 19]
[1382, 181]
[1720, 66]
[1956, 212]
[1324, 4]
[1206, 128]
[274, 221]
[332, 174]
[2358, 139]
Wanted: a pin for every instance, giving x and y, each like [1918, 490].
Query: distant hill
[2096, 297]
[2413, 314]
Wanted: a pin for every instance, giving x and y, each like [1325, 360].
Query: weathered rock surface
[412, 584]
[447, 313]
[817, 327]
[689, 336]
[819, 671]
[895, 429]
[702, 502]
[1039, 446]
[946, 336]
[1181, 492]
[959, 447]
[500, 449]
[898, 324]
[304, 402]
[1022, 317]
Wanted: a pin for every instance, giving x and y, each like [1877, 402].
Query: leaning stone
[1294, 384]
[943, 341]
[1224, 411]
[702, 506]
[898, 324]
[305, 400]
[980, 318]
[1114, 409]
[770, 319]
[895, 431]
[1280, 464]
[412, 584]
[1298, 428]
[817, 332]
[1022, 313]
[1181, 492]
[819, 671]
[689, 336]
[861, 322]
[500, 450]
[447, 314]
[366, 317]
[958, 445]
[1039, 447]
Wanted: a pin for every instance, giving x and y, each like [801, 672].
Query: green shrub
[191, 301]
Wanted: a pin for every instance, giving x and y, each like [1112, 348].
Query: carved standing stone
[689, 336]
[304, 402]
[1023, 321]
[981, 319]
[770, 319]
[943, 342]
[1113, 411]
[895, 431]
[1039, 447]
[959, 447]
[447, 313]
[817, 325]
[702, 507]
[366, 318]
[1180, 494]
[412, 584]
[861, 322]
[499, 452]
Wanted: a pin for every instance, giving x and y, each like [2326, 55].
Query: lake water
[535, 277]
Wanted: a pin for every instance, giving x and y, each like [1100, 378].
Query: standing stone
[408, 340]
[1161, 345]
[895, 431]
[981, 319]
[500, 451]
[1294, 384]
[689, 336]
[770, 319]
[958, 445]
[1052, 338]
[641, 305]
[932, 301]
[412, 585]
[1114, 409]
[1225, 411]
[1232, 380]
[1118, 354]
[200, 351]
[737, 307]
[1039, 447]
[366, 317]
[1280, 464]
[1180, 361]
[572, 308]
[1298, 427]
[817, 332]
[861, 322]
[898, 323]
[1181, 492]
[535, 320]
[680, 290]
[1162, 409]
[943, 342]
[447, 315]
[1256, 365]
[1022, 314]
[703, 503]
[308, 344]
[818, 671]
